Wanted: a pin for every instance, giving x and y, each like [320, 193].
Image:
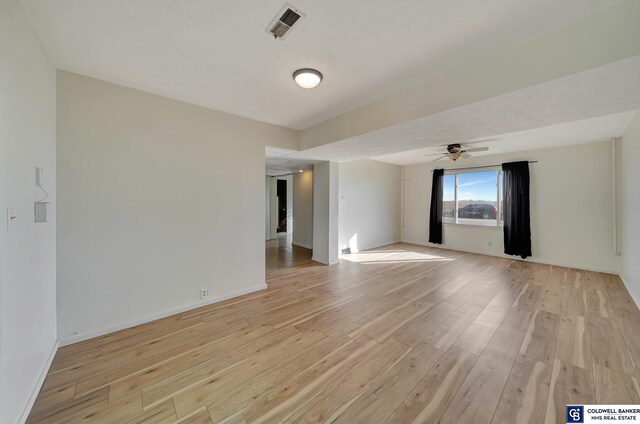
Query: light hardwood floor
[401, 334]
[281, 253]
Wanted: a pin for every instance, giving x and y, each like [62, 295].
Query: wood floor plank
[205, 391]
[478, 397]
[573, 345]
[342, 393]
[242, 396]
[163, 413]
[540, 339]
[524, 398]
[398, 318]
[552, 299]
[507, 339]
[95, 374]
[475, 338]
[630, 330]
[448, 332]
[575, 302]
[52, 397]
[118, 346]
[574, 279]
[66, 411]
[413, 331]
[569, 385]
[623, 303]
[183, 363]
[528, 297]
[163, 390]
[599, 303]
[433, 394]
[201, 416]
[614, 387]
[539, 276]
[118, 412]
[491, 316]
[286, 398]
[379, 401]
[608, 348]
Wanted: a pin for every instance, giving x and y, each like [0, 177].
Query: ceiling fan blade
[441, 157]
[435, 154]
[477, 149]
[465, 155]
[464, 143]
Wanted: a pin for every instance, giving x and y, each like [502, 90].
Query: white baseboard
[36, 389]
[502, 255]
[75, 338]
[627, 285]
[375, 245]
[306, 246]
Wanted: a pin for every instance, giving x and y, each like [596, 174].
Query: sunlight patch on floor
[397, 256]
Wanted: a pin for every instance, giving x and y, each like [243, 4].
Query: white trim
[502, 255]
[306, 246]
[36, 389]
[497, 227]
[372, 246]
[101, 332]
[627, 286]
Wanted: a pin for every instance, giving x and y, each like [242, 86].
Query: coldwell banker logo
[575, 414]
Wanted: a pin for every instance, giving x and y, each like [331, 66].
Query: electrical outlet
[204, 293]
[489, 243]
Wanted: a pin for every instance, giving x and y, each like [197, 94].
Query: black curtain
[517, 218]
[435, 218]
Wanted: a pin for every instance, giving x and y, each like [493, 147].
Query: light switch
[39, 176]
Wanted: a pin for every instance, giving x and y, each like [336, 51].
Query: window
[472, 198]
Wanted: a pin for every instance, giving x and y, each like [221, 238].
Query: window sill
[484, 227]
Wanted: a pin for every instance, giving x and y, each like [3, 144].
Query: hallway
[281, 253]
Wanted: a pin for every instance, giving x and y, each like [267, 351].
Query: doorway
[288, 238]
[281, 197]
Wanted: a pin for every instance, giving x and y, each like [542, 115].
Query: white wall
[157, 199]
[369, 204]
[28, 251]
[326, 177]
[631, 208]
[571, 207]
[303, 209]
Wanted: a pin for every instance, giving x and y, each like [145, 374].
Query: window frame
[499, 197]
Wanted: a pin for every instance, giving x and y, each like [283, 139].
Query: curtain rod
[478, 167]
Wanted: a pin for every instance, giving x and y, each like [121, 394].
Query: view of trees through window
[472, 198]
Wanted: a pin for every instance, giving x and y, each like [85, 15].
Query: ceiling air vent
[284, 20]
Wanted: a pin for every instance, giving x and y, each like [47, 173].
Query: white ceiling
[217, 54]
[277, 162]
[606, 90]
[578, 132]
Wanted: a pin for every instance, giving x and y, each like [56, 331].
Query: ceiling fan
[455, 151]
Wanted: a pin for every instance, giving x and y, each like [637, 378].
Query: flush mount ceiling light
[307, 77]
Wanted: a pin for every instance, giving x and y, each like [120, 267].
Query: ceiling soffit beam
[609, 36]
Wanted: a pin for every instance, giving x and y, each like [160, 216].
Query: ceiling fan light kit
[456, 151]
